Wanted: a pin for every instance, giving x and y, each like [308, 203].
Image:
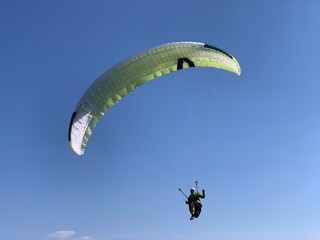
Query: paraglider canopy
[126, 76]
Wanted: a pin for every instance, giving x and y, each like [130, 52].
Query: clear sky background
[252, 141]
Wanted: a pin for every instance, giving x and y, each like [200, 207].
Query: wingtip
[79, 152]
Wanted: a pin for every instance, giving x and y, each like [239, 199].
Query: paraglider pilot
[194, 202]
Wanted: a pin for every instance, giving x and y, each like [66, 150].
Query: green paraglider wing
[126, 76]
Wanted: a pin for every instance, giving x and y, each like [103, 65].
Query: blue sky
[252, 141]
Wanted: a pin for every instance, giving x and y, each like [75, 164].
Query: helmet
[192, 190]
